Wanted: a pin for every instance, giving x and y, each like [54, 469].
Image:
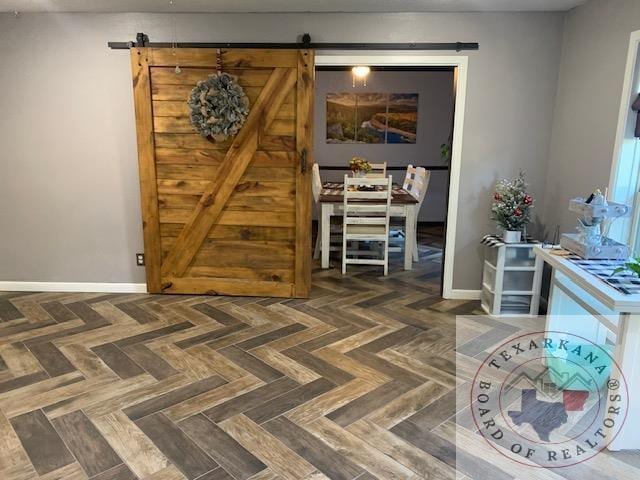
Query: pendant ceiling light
[360, 72]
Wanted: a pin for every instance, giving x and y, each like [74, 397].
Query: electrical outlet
[140, 259]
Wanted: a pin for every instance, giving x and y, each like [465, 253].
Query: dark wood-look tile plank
[121, 472]
[22, 381]
[271, 336]
[176, 445]
[8, 311]
[420, 322]
[8, 295]
[217, 314]
[482, 342]
[213, 335]
[49, 337]
[333, 320]
[26, 326]
[139, 314]
[107, 297]
[250, 399]
[325, 369]
[87, 444]
[217, 474]
[331, 337]
[86, 313]
[153, 334]
[173, 397]
[225, 450]
[367, 476]
[380, 299]
[394, 338]
[59, 312]
[117, 360]
[446, 452]
[289, 400]
[435, 413]
[52, 360]
[389, 369]
[251, 364]
[313, 450]
[368, 402]
[43, 445]
[155, 365]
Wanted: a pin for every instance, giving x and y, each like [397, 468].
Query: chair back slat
[366, 218]
[378, 170]
[316, 184]
[416, 182]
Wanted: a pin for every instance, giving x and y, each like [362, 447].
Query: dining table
[403, 205]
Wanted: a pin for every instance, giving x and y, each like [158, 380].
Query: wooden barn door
[233, 217]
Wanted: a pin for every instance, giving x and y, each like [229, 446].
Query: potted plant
[632, 267]
[511, 207]
[359, 166]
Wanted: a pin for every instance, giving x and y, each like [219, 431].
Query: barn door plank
[236, 161]
[147, 167]
[304, 147]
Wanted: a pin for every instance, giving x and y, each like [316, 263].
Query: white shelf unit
[511, 280]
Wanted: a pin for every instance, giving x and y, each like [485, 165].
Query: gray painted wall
[435, 108]
[594, 54]
[69, 202]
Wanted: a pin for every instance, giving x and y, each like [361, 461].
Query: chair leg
[316, 252]
[416, 258]
[386, 258]
[344, 253]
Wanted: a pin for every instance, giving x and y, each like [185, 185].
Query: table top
[600, 290]
[333, 192]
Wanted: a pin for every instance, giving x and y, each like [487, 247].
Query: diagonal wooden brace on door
[234, 165]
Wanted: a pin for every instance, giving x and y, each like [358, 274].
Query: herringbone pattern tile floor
[356, 382]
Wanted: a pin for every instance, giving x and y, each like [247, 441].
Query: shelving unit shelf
[511, 280]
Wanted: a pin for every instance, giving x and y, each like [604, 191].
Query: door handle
[303, 161]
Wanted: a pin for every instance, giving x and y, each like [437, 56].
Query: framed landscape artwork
[372, 117]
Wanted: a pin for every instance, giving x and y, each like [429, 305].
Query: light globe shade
[360, 71]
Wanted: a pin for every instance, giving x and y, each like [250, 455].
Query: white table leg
[325, 229]
[627, 355]
[410, 235]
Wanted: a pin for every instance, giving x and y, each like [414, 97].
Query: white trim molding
[460, 63]
[73, 287]
[623, 179]
[458, 294]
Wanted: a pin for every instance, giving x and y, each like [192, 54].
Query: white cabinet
[511, 279]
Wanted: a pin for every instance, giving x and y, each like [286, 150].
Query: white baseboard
[73, 287]
[457, 294]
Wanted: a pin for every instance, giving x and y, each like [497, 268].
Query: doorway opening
[430, 137]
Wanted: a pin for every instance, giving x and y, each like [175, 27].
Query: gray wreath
[219, 106]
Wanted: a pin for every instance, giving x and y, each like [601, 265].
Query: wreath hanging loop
[219, 106]
[219, 60]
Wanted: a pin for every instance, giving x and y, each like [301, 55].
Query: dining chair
[316, 186]
[335, 230]
[416, 182]
[366, 218]
[378, 170]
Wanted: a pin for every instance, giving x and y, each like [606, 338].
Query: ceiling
[281, 6]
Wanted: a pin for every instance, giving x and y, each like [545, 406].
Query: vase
[511, 236]
[358, 174]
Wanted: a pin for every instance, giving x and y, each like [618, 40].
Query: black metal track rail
[142, 40]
